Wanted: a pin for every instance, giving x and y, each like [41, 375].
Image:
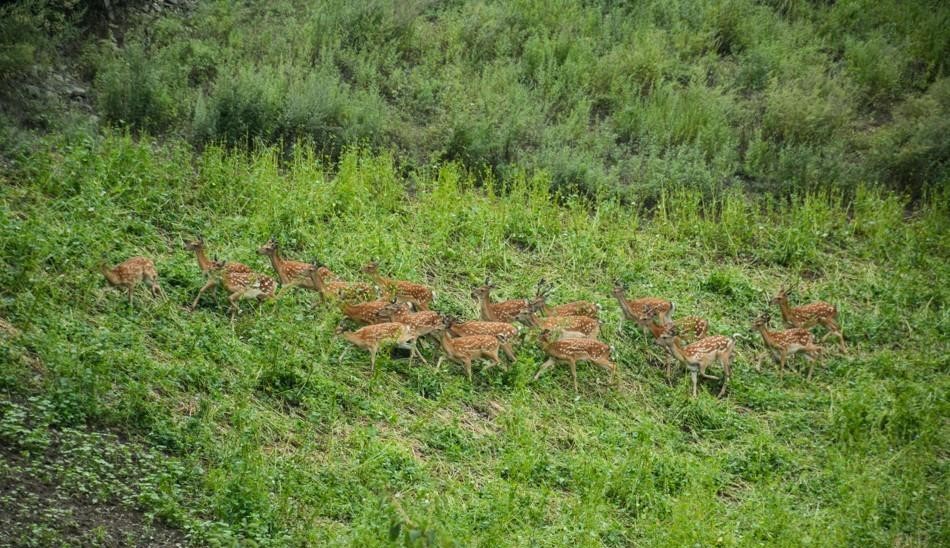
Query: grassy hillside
[262, 431]
[626, 98]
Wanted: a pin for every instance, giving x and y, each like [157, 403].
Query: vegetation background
[704, 151]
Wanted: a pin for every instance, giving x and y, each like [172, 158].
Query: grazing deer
[570, 326]
[290, 273]
[371, 337]
[504, 311]
[464, 350]
[419, 295]
[197, 247]
[633, 309]
[810, 315]
[700, 354]
[789, 342]
[505, 331]
[368, 312]
[128, 274]
[573, 350]
[239, 285]
[575, 308]
[335, 288]
[420, 323]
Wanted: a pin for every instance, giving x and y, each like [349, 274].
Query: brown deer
[570, 326]
[573, 350]
[368, 312]
[504, 311]
[633, 309]
[505, 331]
[371, 337]
[128, 274]
[337, 289]
[692, 328]
[422, 323]
[197, 247]
[419, 295]
[290, 273]
[464, 350]
[789, 342]
[575, 308]
[700, 354]
[239, 285]
[810, 315]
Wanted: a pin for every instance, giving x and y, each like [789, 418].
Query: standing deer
[700, 354]
[372, 337]
[464, 350]
[369, 312]
[573, 350]
[633, 309]
[239, 285]
[789, 342]
[575, 308]
[504, 311]
[505, 331]
[334, 289]
[128, 274]
[419, 295]
[290, 273]
[422, 323]
[197, 247]
[810, 315]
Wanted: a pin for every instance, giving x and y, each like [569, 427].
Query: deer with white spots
[131, 272]
[788, 342]
[809, 315]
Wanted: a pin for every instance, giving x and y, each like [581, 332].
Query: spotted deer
[788, 342]
[419, 295]
[372, 337]
[290, 273]
[239, 285]
[337, 289]
[698, 356]
[464, 350]
[197, 246]
[368, 312]
[569, 326]
[809, 315]
[574, 350]
[504, 311]
[422, 323]
[504, 330]
[575, 308]
[691, 328]
[131, 272]
[633, 309]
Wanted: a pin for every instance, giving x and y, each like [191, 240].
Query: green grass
[267, 435]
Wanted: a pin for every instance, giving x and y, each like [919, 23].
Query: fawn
[371, 337]
[419, 295]
[197, 247]
[570, 326]
[335, 288]
[575, 308]
[503, 330]
[573, 350]
[472, 347]
[239, 285]
[692, 328]
[504, 311]
[128, 274]
[789, 342]
[368, 312]
[290, 273]
[700, 354]
[633, 309]
[420, 323]
[810, 315]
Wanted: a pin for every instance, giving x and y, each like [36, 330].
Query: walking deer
[633, 310]
[337, 289]
[810, 315]
[698, 356]
[788, 342]
[129, 273]
[372, 337]
[290, 273]
[572, 351]
[570, 326]
[503, 330]
[404, 291]
[504, 311]
[239, 285]
[464, 350]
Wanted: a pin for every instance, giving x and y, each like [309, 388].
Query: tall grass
[268, 435]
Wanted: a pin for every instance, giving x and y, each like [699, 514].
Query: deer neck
[676, 346]
[786, 309]
[110, 276]
[484, 300]
[446, 342]
[624, 305]
[766, 334]
[318, 281]
[278, 264]
[203, 263]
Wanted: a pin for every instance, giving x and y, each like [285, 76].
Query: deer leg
[131, 288]
[573, 365]
[372, 360]
[544, 367]
[781, 366]
[235, 308]
[692, 374]
[702, 373]
[210, 283]
[727, 373]
[508, 351]
[467, 363]
[415, 350]
[292, 283]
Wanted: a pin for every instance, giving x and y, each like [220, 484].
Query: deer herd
[397, 312]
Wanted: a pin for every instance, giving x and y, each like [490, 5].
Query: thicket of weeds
[270, 436]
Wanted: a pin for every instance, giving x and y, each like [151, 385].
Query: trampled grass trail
[264, 433]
